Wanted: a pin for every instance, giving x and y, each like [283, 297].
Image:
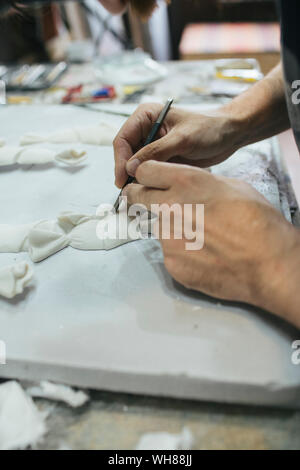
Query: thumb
[161, 150]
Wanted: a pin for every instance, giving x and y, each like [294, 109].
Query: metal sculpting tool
[151, 137]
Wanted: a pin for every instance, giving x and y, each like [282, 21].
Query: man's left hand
[249, 248]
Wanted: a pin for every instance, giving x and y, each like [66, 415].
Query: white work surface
[116, 320]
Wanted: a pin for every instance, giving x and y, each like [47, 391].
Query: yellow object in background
[242, 75]
[14, 99]
[130, 89]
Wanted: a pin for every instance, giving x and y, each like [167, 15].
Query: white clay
[166, 441]
[21, 423]
[102, 134]
[8, 155]
[60, 137]
[96, 135]
[39, 156]
[35, 156]
[41, 239]
[14, 238]
[14, 279]
[83, 232]
[100, 232]
[59, 392]
[71, 157]
[45, 239]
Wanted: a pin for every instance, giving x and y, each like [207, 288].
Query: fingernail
[131, 166]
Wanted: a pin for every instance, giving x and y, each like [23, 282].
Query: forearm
[260, 112]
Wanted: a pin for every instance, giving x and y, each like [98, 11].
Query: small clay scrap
[22, 425]
[60, 392]
[14, 279]
[166, 441]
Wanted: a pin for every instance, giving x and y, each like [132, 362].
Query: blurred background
[84, 32]
[182, 30]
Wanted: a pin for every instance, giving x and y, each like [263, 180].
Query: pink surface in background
[214, 38]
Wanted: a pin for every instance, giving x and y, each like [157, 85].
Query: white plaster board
[116, 320]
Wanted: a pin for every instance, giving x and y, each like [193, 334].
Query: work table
[117, 421]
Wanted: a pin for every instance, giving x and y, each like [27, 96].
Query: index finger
[131, 138]
[155, 174]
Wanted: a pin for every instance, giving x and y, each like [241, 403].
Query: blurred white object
[80, 51]
[101, 134]
[130, 68]
[166, 441]
[242, 75]
[64, 446]
[250, 64]
[160, 33]
[105, 44]
[12, 155]
[21, 424]
[71, 157]
[227, 87]
[59, 392]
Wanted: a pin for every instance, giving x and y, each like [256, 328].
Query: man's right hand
[203, 140]
[185, 137]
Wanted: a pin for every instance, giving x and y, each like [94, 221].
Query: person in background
[114, 6]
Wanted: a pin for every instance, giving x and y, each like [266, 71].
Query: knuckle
[144, 157]
[153, 152]
[141, 108]
[140, 113]
[148, 153]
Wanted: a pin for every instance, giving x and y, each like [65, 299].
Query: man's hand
[250, 254]
[195, 139]
[203, 139]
